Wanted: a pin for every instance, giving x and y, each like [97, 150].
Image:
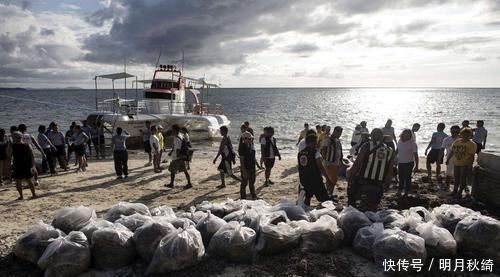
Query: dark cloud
[301, 48]
[209, 32]
[413, 27]
[371, 6]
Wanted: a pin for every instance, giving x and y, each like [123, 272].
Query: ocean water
[287, 109]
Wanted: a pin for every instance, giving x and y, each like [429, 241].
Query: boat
[171, 99]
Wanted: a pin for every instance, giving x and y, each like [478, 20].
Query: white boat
[163, 103]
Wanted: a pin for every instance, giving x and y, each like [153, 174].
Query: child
[269, 152]
[463, 151]
[247, 160]
[447, 143]
[227, 156]
[407, 159]
[435, 145]
[120, 154]
[23, 163]
[480, 135]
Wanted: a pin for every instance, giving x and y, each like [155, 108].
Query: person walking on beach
[56, 137]
[69, 138]
[462, 153]
[447, 143]
[388, 130]
[414, 129]
[120, 154]
[98, 140]
[161, 141]
[146, 134]
[311, 171]
[79, 143]
[433, 156]
[371, 172]
[88, 131]
[356, 135]
[5, 147]
[22, 164]
[155, 149]
[269, 151]
[303, 133]
[30, 140]
[331, 151]
[227, 155]
[407, 157]
[186, 141]
[247, 165]
[177, 164]
[480, 135]
[48, 149]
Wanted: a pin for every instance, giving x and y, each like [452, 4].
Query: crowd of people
[375, 158]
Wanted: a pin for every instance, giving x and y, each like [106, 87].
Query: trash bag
[231, 206]
[351, 220]
[179, 249]
[194, 215]
[389, 217]
[420, 211]
[397, 244]
[134, 221]
[70, 219]
[273, 218]
[112, 247]
[448, 216]
[208, 226]
[126, 208]
[274, 239]
[147, 237]
[162, 211]
[248, 216]
[215, 208]
[478, 236]
[94, 225]
[364, 239]
[66, 256]
[439, 242]
[234, 242]
[317, 213]
[175, 221]
[294, 212]
[31, 245]
[322, 235]
[258, 205]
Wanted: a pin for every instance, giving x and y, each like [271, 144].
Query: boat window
[164, 84]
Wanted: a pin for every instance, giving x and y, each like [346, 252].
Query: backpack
[184, 153]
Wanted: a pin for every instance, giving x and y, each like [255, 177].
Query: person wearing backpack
[227, 157]
[177, 164]
[331, 151]
[269, 152]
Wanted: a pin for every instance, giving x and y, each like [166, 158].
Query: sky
[254, 43]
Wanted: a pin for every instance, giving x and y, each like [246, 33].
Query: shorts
[225, 167]
[433, 156]
[80, 150]
[479, 147]
[61, 150]
[176, 166]
[147, 147]
[269, 163]
[22, 173]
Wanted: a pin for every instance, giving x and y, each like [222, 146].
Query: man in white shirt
[480, 135]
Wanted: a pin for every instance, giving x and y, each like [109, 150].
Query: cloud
[443, 44]
[301, 48]
[370, 6]
[47, 32]
[68, 6]
[413, 27]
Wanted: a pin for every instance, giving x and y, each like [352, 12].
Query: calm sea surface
[286, 109]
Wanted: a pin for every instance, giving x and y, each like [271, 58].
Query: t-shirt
[480, 134]
[263, 142]
[80, 138]
[161, 140]
[356, 136]
[119, 142]
[87, 130]
[303, 133]
[463, 152]
[321, 137]
[364, 130]
[437, 139]
[406, 151]
[338, 150]
[302, 144]
[388, 131]
[147, 134]
[447, 143]
[176, 145]
[57, 138]
[155, 143]
[27, 139]
[43, 141]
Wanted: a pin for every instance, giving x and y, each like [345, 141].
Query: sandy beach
[98, 188]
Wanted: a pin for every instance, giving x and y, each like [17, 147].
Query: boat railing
[158, 106]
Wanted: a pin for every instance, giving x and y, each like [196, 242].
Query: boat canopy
[115, 76]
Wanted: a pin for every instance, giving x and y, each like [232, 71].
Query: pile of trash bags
[242, 230]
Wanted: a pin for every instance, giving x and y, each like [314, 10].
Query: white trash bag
[439, 242]
[94, 225]
[351, 220]
[478, 236]
[294, 212]
[69, 219]
[126, 208]
[249, 216]
[31, 245]
[66, 256]
[448, 216]
[327, 208]
[396, 244]
[163, 211]
[364, 239]
[323, 235]
[112, 247]
[208, 226]
[274, 239]
[147, 237]
[134, 221]
[193, 215]
[180, 249]
[234, 242]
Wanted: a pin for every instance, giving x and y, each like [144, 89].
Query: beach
[98, 188]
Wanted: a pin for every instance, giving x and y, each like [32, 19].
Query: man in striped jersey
[371, 171]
